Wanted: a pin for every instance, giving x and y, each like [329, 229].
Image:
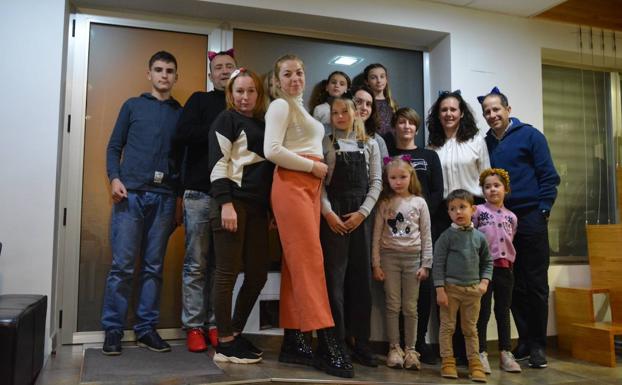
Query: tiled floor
[63, 368]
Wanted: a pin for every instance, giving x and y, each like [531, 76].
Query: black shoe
[112, 343]
[235, 351]
[249, 345]
[296, 348]
[362, 353]
[537, 359]
[153, 342]
[330, 356]
[521, 352]
[428, 356]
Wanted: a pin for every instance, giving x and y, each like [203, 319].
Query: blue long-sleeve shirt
[140, 145]
[524, 153]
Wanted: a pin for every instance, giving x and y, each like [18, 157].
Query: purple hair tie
[407, 158]
[386, 160]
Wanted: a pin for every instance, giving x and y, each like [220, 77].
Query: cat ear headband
[443, 93]
[494, 91]
[406, 158]
[212, 54]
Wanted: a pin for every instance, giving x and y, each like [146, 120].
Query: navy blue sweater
[140, 144]
[524, 153]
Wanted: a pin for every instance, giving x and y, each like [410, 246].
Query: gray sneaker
[483, 357]
[508, 363]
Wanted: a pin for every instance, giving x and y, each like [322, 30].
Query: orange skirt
[296, 204]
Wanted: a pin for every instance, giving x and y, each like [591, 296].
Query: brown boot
[448, 368]
[476, 370]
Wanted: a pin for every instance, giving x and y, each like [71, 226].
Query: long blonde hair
[295, 109]
[403, 162]
[357, 123]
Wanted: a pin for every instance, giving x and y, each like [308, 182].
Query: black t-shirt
[428, 167]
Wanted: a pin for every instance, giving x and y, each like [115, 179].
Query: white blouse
[285, 140]
[462, 163]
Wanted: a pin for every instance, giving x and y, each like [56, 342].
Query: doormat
[144, 366]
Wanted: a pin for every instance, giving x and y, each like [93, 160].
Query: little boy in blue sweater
[461, 270]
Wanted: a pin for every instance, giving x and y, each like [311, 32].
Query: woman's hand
[319, 169]
[353, 220]
[378, 273]
[441, 297]
[335, 223]
[422, 273]
[229, 218]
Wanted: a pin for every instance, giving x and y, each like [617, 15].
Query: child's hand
[335, 224]
[353, 220]
[378, 273]
[441, 297]
[483, 286]
[422, 274]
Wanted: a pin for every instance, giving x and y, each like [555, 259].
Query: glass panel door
[117, 68]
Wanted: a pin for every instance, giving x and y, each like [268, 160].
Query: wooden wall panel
[606, 14]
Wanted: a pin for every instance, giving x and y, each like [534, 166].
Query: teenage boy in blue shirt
[143, 178]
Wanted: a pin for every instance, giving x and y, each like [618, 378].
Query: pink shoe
[212, 335]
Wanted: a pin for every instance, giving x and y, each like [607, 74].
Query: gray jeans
[198, 271]
[401, 290]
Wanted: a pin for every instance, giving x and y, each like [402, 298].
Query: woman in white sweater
[455, 137]
[293, 141]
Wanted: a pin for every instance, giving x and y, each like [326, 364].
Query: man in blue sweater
[143, 177]
[523, 151]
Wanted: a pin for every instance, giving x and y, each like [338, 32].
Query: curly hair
[467, 130]
[502, 174]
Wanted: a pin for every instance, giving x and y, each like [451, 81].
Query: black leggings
[501, 287]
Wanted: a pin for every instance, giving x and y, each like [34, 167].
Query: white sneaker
[395, 358]
[508, 363]
[483, 357]
[411, 359]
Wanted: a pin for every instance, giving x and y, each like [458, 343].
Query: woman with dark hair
[463, 153]
[453, 134]
[363, 98]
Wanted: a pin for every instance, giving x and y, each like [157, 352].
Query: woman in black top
[241, 179]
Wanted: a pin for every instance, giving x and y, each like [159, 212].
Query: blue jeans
[139, 228]
[198, 271]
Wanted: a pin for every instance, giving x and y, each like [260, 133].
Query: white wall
[32, 71]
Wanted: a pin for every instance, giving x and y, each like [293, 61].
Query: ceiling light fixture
[345, 60]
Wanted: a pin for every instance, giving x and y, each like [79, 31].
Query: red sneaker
[196, 340]
[212, 335]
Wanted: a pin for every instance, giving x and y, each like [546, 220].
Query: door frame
[72, 157]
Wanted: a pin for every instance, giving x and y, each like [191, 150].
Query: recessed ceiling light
[345, 60]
